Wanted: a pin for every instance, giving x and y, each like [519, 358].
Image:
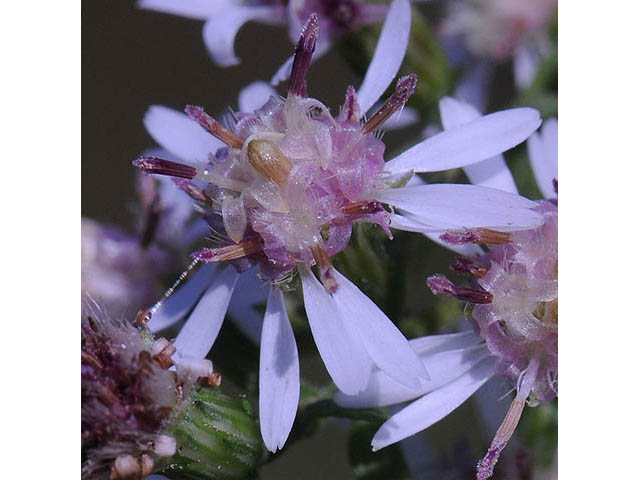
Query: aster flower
[283, 193]
[515, 317]
[499, 30]
[224, 18]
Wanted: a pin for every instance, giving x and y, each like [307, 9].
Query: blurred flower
[515, 317]
[224, 18]
[500, 30]
[283, 186]
[118, 269]
[139, 416]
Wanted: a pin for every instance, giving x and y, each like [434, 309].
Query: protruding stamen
[362, 208]
[191, 189]
[486, 235]
[214, 127]
[504, 433]
[230, 252]
[321, 256]
[160, 166]
[465, 265]
[269, 161]
[404, 89]
[475, 235]
[302, 57]
[440, 285]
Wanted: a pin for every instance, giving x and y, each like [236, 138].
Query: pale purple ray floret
[224, 18]
[515, 317]
[281, 187]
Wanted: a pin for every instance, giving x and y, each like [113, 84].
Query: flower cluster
[283, 190]
[269, 196]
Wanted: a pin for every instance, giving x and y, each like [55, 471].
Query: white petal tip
[375, 446]
[271, 448]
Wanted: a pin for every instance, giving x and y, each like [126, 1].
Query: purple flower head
[282, 196]
[293, 178]
[520, 325]
[514, 288]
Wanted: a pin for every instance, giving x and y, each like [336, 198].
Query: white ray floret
[433, 407]
[492, 172]
[198, 334]
[220, 31]
[279, 374]
[472, 142]
[454, 206]
[180, 135]
[342, 352]
[543, 155]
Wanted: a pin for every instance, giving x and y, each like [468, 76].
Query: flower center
[299, 173]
